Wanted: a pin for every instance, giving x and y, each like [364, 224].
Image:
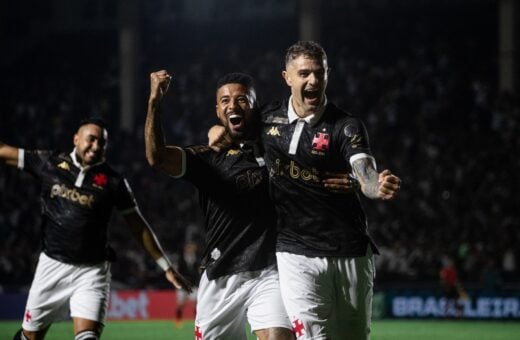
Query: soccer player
[78, 193]
[239, 280]
[188, 263]
[324, 251]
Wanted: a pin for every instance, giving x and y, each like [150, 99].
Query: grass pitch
[381, 330]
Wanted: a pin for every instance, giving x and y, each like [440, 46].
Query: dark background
[424, 75]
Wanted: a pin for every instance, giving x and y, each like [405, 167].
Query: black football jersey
[76, 205]
[240, 220]
[313, 221]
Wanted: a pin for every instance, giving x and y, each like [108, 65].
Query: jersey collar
[78, 164]
[310, 119]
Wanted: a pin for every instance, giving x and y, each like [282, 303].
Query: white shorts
[57, 286]
[226, 303]
[327, 297]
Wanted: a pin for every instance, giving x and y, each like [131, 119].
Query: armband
[163, 263]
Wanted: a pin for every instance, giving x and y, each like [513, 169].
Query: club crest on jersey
[273, 131]
[320, 143]
[64, 166]
[233, 152]
[100, 180]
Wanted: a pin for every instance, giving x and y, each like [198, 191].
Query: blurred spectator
[451, 287]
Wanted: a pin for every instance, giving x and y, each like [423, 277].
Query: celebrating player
[78, 193]
[324, 251]
[239, 281]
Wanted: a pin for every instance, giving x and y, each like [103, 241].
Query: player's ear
[287, 77]
[75, 139]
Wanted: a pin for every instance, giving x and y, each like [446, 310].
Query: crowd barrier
[406, 303]
[123, 305]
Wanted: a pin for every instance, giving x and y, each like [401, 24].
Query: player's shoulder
[275, 112]
[41, 156]
[337, 113]
[43, 153]
[59, 155]
[345, 123]
[341, 116]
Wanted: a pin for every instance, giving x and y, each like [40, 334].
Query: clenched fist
[159, 83]
[389, 185]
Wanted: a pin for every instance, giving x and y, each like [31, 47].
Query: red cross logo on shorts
[298, 327]
[198, 333]
[28, 316]
[321, 141]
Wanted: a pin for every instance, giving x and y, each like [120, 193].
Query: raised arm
[375, 185]
[143, 233]
[8, 154]
[168, 159]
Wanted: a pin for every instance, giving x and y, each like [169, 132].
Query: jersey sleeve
[199, 167]
[33, 161]
[354, 139]
[125, 200]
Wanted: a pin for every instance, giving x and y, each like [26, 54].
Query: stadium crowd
[432, 109]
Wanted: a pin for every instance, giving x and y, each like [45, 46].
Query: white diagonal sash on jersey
[296, 136]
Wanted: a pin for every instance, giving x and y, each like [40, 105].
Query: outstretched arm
[168, 159]
[218, 138]
[339, 182]
[375, 185]
[143, 233]
[8, 154]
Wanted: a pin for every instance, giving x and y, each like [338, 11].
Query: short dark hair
[309, 49]
[236, 78]
[93, 120]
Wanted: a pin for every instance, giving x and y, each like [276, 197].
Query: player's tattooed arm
[8, 154]
[375, 185]
[367, 177]
[159, 155]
